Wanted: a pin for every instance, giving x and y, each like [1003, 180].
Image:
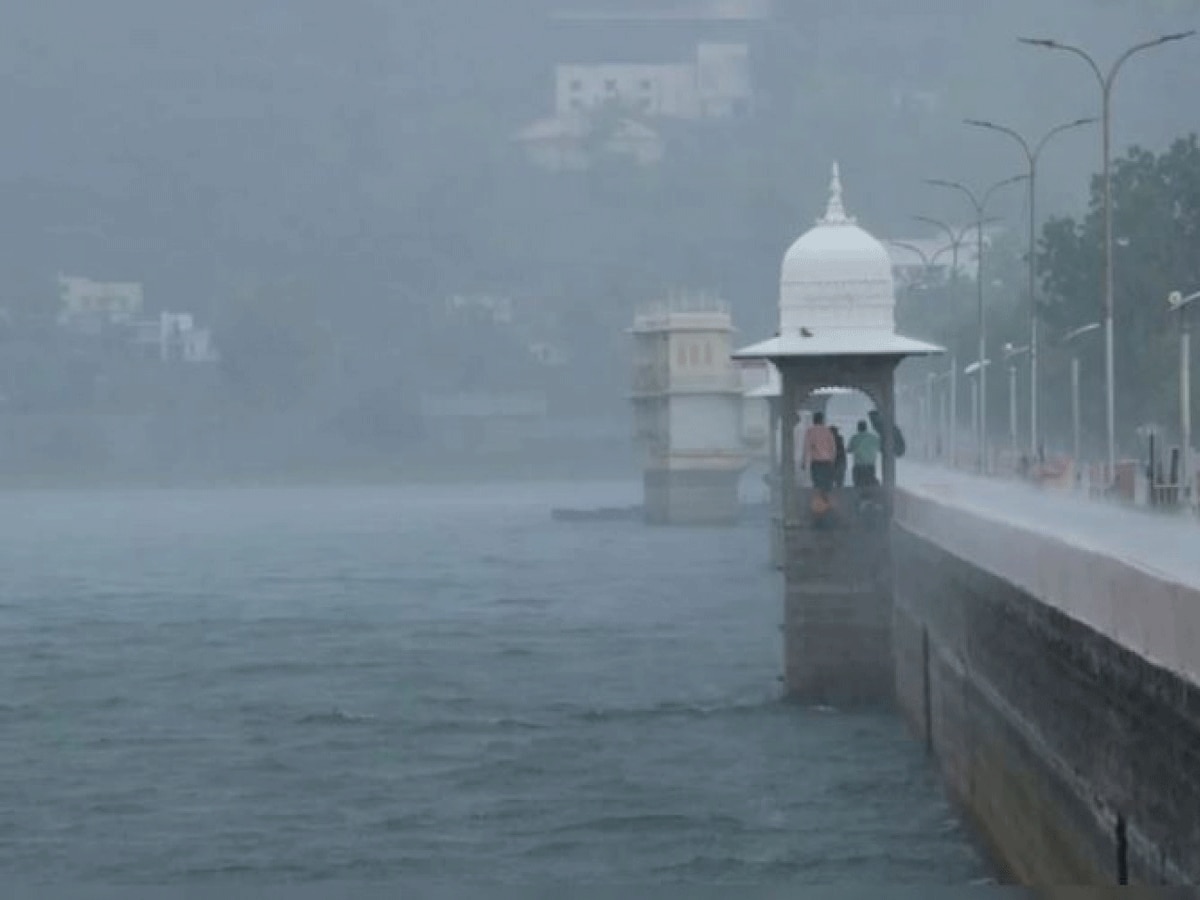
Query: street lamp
[1106, 84]
[927, 262]
[976, 369]
[1179, 303]
[979, 205]
[1068, 338]
[940, 398]
[956, 240]
[1032, 155]
[1010, 353]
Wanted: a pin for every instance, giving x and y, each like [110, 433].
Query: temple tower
[687, 399]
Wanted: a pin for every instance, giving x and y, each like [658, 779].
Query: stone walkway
[1162, 544]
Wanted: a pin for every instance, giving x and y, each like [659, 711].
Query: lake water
[369, 685]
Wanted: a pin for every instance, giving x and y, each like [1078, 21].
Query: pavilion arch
[802, 378]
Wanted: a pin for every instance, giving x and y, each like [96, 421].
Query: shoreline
[412, 473]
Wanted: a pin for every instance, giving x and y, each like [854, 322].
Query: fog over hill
[360, 156]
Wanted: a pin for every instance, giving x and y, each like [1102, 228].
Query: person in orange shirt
[820, 453]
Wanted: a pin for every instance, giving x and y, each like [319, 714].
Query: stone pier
[693, 495]
[838, 604]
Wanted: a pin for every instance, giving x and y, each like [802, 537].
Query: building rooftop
[672, 11]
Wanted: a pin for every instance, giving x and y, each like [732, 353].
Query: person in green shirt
[864, 448]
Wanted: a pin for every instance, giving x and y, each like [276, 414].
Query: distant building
[549, 355]
[497, 308]
[630, 65]
[92, 308]
[89, 306]
[175, 337]
[569, 143]
[714, 84]
[672, 11]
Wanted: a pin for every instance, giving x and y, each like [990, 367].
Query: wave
[735, 868]
[466, 725]
[643, 822]
[515, 650]
[526, 602]
[18, 711]
[668, 709]
[306, 666]
[336, 716]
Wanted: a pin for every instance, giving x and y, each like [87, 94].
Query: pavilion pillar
[789, 416]
[774, 484]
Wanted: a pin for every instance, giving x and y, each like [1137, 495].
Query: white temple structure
[836, 294]
[688, 397]
[837, 330]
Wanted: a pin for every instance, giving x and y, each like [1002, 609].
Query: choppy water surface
[404, 683]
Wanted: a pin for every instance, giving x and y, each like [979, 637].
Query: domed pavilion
[837, 329]
[837, 324]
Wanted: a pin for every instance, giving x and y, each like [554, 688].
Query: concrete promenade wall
[1056, 685]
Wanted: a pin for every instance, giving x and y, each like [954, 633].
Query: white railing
[1130, 484]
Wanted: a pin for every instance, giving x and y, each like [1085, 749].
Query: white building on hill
[715, 84]
[90, 306]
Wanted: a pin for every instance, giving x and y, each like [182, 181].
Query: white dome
[837, 276]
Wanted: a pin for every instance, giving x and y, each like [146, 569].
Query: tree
[1156, 225]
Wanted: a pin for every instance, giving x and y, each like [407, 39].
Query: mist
[352, 354]
[314, 184]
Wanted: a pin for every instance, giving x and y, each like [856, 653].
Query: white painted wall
[654, 90]
[709, 423]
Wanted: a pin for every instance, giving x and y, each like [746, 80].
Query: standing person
[898, 448]
[820, 453]
[839, 459]
[864, 447]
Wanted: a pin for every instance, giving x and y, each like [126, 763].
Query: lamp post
[1032, 155]
[956, 239]
[927, 263]
[940, 398]
[980, 204]
[1011, 353]
[1106, 80]
[930, 417]
[952, 413]
[1179, 303]
[977, 369]
[1068, 338]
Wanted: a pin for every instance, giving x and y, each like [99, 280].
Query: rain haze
[370, 389]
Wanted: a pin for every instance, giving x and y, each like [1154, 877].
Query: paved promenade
[1166, 545]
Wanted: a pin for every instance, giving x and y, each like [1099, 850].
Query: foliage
[1156, 227]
